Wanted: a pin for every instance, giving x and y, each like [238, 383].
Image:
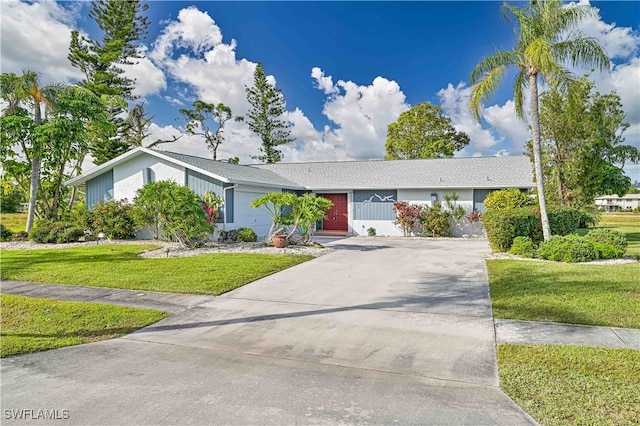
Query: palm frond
[519, 84]
[484, 88]
[499, 58]
[581, 51]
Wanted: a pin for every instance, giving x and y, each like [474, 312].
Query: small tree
[175, 209]
[407, 216]
[274, 204]
[199, 119]
[211, 204]
[307, 209]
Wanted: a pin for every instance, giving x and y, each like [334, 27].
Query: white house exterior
[614, 203]
[363, 192]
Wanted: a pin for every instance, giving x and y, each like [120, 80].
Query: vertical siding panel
[200, 184]
[100, 188]
[374, 205]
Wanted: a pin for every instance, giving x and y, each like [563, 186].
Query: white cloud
[149, 79]
[507, 125]
[455, 104]
[361, 115]
[191, 51]
[36, 36]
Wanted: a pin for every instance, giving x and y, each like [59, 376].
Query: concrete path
[382, 331]
[553, 333]
[168, 302]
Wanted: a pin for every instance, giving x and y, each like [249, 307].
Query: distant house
[362, 192]
[614, 203]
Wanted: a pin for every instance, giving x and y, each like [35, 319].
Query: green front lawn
[606, 295]
[118, 266]
[572, 385]
[31, 324]
[15, 222]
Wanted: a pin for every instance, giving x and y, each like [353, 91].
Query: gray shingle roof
[473, 172]
[233, 172]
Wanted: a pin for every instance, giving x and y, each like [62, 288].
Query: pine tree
[123, 25]
[267, 106]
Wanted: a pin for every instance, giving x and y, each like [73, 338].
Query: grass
[566, 385]
[605, 295]
[626, 223]
[118, 266]
[32, 324]
[15, 222]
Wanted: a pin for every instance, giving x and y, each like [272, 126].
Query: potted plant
[280, 240]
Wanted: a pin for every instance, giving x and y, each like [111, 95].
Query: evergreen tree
[264, 118]
[122, 25]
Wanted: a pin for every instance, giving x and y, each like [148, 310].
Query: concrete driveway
[381, 331]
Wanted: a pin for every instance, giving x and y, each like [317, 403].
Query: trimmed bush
[564, 220]
[609, 243]
[568, 248]
[247, 235]
[42, 231]
[70, 234]
[114, 219]
[507, 199]
[523, 246]
[503, 226]
[435, 221]
[5, 233]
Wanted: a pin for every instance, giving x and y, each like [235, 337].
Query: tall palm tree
[546, 43]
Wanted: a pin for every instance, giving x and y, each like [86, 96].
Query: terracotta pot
[280, 241]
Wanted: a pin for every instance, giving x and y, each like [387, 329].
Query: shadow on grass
[84, 334]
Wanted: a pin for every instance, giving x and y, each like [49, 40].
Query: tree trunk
[537, 157]
[559, 179]
[35, 171]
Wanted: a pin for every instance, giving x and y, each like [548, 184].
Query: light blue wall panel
[200, 184]
[374, 205]
[100, 188]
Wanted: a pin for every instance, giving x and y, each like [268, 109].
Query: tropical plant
[306, 210]
[211, 204]
[511, 198]
[407, 216]
[173, 209]
[546, 40]
[274, 204]
[435, 220]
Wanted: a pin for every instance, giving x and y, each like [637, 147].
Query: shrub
[247, 235]
[511, 198]
[42, 231]
[523, 246]
[407, 216]
[503, 226]
[589, 216]
[435, 220]
[12, 196]
[228, 236]
[70, 234]
[5, 233]
[21, 236]
[371, 232]
[568, 248]
[174, 208]
[563, 220]
[114, 219]
[609, 243]
[81, 217]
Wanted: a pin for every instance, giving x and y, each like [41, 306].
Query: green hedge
[609, 243]
[503, 226]
[568, 248]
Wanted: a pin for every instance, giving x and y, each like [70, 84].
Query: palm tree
[546, 43]
[27, 89]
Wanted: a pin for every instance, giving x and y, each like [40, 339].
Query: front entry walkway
[382, 331]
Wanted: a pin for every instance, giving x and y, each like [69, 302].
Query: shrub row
[45, 231]
[597, 244]
[503, 225]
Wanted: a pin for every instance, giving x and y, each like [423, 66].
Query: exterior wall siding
[131, 175]
[100, 188]
[200, 184]
[374, 205]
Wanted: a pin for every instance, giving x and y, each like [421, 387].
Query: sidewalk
[507, 331]
[168, 302]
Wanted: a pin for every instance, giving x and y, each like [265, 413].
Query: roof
[234, 173]
[617, 197]
[219, 170]
[472, 172]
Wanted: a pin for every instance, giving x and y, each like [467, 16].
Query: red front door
[337, 217]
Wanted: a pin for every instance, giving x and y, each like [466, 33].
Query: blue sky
[347, 69]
